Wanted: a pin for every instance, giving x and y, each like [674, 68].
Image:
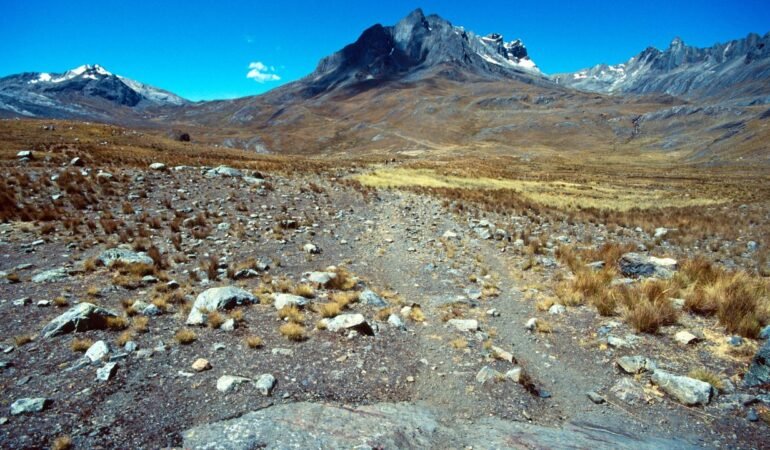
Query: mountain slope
[88, 91]
[732, 70]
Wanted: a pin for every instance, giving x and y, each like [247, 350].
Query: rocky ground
[429, 339]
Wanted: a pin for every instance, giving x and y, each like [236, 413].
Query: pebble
[201, 364]
[107, 371]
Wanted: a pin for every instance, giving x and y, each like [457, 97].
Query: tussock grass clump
[292, 314]
[124, 337]
[293, 331]
[344, 299]
[185, 336]
[117, 323]
[22, 339]
[60, 302]
[215, 319]
[416, 314]
[459, 344]
[344, 281]
[331, 309]
[304, 290]
[707, 376]
[140, 324]
[648, 307]
[254, 342]
[81, 345]
[739, 301]
[62, 443]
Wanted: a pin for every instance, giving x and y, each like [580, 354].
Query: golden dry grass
[293, 331]
[62, 443]
[331, 309]
[81, 345]
[185, 336]
[557, 194]
[709, 377]
[117, 323]
[253, 341]
[292, 314]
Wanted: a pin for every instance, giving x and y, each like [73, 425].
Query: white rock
[464, 324]
[311, 248]
[319, 278]
[531, 324]
[282, 300]
[349, 322]
[556, 309]
[218, 298]
[28, 405]
[107, 371]
[227, 383]
[157, 166]
[686, 390]
[265, 384]
[97, 351]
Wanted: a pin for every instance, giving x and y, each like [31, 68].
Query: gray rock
[355, 322]
[686, 390]
[254, 181]
[487, 374]
[49, 276]
[229, 325]
[107, 371]
[464, 324]
[22, 301]
[227, 383]
[320, 278]
[81, 317]
[531, 324]
[76, 162]
[759, 371]
[660, 232]
[282, 351]
[282, 300]
[636, 364]
[765, 332]
[218, 298]
[25, 154]
[130, 346]
[595, 397]
[97, 351]
[640, 265]
[614, 341]
[369, 297]
[223, 171]
[684, 337]
[102, 175]
[28, 405]
[752, 246]
[514, 374]
[557, 309]
[158, 166]
[483, 233]
[305, 425]
[395, 321]
[265, 384]
[596, 265]
[735, 341]
[629, 391]
[311, 248]
[124, 256]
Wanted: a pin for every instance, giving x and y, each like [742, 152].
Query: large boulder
[124, 256]
[218, 298]
[641, 265]
[686, 390]
[759, 372]
[400, 425]
[81, 317]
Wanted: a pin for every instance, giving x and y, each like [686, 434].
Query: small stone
[765, 332]
[751, 415]
[369, 297]
[22, 301]
[97, 351]
[629, 391]
[487, 374]
[158, 166]
[464, 324]
[514, 374]
[229, 325]
[320, 278]
[28, 405]
[636, 364]
[410, 379]
[201, 364]
[735, 341]
[311, 249]
[596, 398]
[227, 383]
[130, 346]
[355, 322]
[265, 384]
[50, 276]
[396, 322]
[499, 353]
[531, 324]
[556, 309]
[283, 351]
[493, 312]
[282, 300]
[107, 371]
[685, 337]
[617, 342]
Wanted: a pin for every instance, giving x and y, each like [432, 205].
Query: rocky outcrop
[640, 265]
[81, 317]
[397, 425]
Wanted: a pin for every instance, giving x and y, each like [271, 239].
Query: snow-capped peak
[507, 54]
[85, 71]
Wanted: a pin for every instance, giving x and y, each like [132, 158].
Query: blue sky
[204, 50]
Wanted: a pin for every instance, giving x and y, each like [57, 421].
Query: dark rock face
[759, 372]
[109, 88]
[686, 71]
[415, 44]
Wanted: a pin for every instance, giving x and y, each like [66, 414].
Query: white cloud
[262, 73]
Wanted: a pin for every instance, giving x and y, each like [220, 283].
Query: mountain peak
[676, 43]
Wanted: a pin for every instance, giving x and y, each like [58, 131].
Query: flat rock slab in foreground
[396, 425]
